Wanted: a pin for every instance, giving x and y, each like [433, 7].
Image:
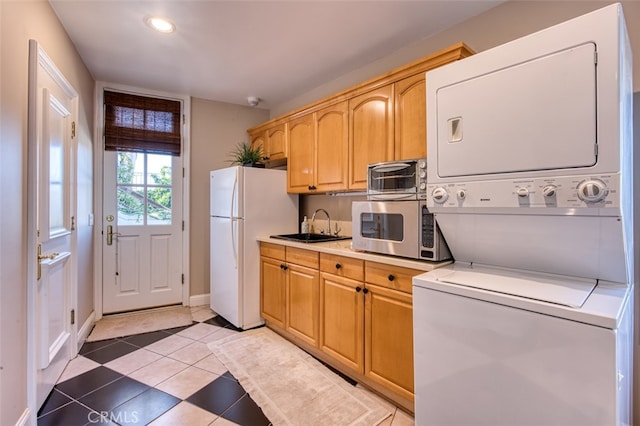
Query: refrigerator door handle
[234, 192]
[234, 222]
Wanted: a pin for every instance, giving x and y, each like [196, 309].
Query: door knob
[109, 235]
[40, 257]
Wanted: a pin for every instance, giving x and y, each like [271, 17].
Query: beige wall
[21, 21]
[216, 128]
[499, 25]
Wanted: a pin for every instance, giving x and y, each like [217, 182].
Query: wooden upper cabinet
[300, 163]
[370, 133]
[277, 142]
[331, 162]
[272, 140]
[410, 118]
[259, 139]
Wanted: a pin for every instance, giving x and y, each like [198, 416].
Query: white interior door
[52, 117]
[142, 231]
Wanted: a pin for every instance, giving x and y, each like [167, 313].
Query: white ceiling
[229, 50]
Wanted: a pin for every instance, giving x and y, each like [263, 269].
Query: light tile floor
[169, 377]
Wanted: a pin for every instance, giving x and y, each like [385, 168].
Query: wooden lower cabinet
[342, 320]
[389, 339]
[289, 290]
[273, 282]
[302, 303]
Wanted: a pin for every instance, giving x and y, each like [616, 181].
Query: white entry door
[52, 117]
[142, 231]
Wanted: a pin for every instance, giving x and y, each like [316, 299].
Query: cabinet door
[259, 140]
[277, 142]
[410, 118]
[272, 290]
[370, 133]
[389, 339]
[342, 320]
[300, 167]
[302, 303]
[332, 150]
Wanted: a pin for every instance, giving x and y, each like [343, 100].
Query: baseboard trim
[24, 418]
[86, 328]
[199, 299]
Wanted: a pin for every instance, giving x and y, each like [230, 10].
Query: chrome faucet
[313, 218]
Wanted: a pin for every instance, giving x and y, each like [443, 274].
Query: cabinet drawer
[302, 257]
[272, 250]
[390, 276]
[347, 267]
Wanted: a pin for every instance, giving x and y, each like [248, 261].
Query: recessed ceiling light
[160, 24]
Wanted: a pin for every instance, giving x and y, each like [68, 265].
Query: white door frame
[38, 60]
[98, 152]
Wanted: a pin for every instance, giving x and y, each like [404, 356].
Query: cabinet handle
[338, 266]
[391, 277]
[283, 267]
[358, 289]
[312, 187]
[365, 290]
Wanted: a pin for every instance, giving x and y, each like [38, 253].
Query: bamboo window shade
[141, 124]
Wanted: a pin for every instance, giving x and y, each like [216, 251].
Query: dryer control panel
[587, 191]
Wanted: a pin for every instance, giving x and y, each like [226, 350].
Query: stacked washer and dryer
[530, 177]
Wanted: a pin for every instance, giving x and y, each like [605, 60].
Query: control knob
[440, 195]
[522, 192]
[592, 191]
[422, 164]
[423, 174]
[549, 191]
[461, 194]
[423, 186]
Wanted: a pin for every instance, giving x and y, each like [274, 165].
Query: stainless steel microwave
[399, 228]
[397, 180]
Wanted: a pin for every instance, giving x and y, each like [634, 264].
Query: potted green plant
[246, 155]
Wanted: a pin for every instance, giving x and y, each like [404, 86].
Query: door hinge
[595, 149]
[73, 316]
[183, 279]
[183, 225]
[73, 129]
[183, 172]
[595, 58]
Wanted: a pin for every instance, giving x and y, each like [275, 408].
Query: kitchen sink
[310, 238]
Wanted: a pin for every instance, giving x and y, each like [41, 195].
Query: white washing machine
[496, 347]
[530, 178]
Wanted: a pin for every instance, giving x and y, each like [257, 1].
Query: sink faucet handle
[338, 229]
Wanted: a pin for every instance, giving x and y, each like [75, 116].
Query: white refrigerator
[245, 202]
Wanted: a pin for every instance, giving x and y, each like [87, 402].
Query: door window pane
[159, 169]
[130, 205]
[159, 206]
[144, 189]
[56, 171]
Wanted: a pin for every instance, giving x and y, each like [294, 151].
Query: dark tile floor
[167, 377]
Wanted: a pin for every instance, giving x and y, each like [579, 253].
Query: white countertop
[343, 248]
